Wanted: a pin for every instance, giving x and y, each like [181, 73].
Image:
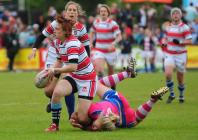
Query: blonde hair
[175, 9]
[81, 12]
[108, 121]
[107, 7]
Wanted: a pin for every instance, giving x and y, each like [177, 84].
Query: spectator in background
[52, 12]
[142, 17]
[126, 16]
[126, 45]
[194, 27]
[23, 36]
[191, 13]
[138, 34]
[90, 23]
[151, 17]
[11, 43]
[41, 23]
[177, 36]
[149, 43]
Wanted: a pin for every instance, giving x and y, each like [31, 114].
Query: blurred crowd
[139, 27]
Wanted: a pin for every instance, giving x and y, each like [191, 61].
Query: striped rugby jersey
[72, 48]
[78, 31]
[179, 32]
[106, 32]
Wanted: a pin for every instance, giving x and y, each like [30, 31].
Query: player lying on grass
[114, 111]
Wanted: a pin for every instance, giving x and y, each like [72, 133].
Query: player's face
[59, 33]
[103, 12]
[72, 12]
[176, 16]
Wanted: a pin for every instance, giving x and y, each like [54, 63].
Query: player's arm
[36, 45]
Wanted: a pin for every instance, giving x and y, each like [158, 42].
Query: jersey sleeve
[84, 38]
[186, 32]
[115, 29]
[50, 29]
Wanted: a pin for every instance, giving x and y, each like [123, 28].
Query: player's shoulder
[79, 26]
[72, 40]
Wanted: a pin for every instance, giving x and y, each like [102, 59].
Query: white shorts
[147, 54]
[178, 61]
[51, 57]
[86, 88]
[109, 57]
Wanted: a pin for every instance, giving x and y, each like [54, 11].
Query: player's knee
[48, 92]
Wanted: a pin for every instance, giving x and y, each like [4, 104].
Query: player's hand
[111, 48]
[176, 41]
[74, 120]
[33, 54]
[51, 72]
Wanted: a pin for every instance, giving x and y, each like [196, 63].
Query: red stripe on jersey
[173, 44]
[73, 50]
[64, 58]
[103, 30]
[84, 38]
[172, 34]
[186, 33]
[174, 52]
[105, 50]
[105, 40]
[79, 26]
[115, 28]
[84, 63]
[90, 76]
[49, 29]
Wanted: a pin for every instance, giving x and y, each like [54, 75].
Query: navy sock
[170, 85]
[70, 104]
[181, 89]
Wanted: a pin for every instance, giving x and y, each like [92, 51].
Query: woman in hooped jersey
[72, 59]
[72, 11]
[107, 35]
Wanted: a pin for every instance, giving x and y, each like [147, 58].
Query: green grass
[23, 116]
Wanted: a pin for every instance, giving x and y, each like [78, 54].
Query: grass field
[23, 116]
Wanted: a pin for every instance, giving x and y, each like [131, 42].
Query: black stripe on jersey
[72, 47]
[82, 52]
[83, 68]
[74, 61]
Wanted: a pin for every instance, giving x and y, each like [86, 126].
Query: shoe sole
[132, 66]
[160, 92]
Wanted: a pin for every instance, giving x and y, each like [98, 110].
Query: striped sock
[114, 79]
[56, 110]
[170, 85]
[143, 110]
[181, 89]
